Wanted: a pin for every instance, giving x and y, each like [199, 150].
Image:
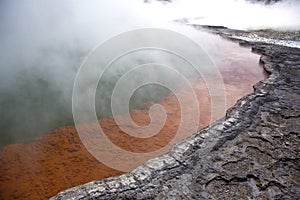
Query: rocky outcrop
[283, 38]
[252, 153]
[264, 1]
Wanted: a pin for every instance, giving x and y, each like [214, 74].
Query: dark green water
[38, 98]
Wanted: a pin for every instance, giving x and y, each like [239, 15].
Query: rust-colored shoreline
[59, 160]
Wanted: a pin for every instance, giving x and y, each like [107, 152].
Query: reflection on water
[58, 160]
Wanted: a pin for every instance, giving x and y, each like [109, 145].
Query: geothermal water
[59, 160]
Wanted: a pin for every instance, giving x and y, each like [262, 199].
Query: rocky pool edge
[250, 153]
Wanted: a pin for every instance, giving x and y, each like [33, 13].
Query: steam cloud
[238, 14]
[44, 42]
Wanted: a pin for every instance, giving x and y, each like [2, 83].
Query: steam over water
[44, 43]
[239, 14]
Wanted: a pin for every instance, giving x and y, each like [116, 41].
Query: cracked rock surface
[251, 153]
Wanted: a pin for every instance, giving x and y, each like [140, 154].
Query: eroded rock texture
[252, 153]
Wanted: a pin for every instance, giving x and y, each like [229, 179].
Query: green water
[39, 98]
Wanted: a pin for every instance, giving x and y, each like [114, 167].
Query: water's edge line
[179, 158]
